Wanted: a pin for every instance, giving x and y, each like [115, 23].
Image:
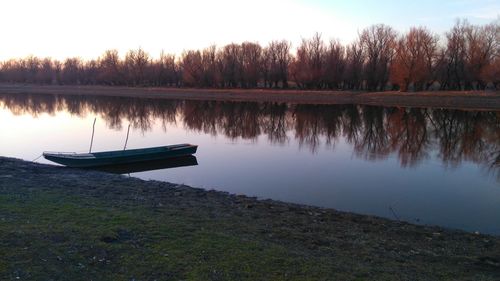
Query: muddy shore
[476, 100]
[61, 223]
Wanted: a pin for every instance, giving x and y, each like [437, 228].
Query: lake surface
[426, 166]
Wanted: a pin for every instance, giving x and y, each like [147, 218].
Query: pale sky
[65, 28]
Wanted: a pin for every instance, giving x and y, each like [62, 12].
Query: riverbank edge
[470, 100]
[321, 231]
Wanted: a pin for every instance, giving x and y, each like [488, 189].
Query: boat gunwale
[117, 153]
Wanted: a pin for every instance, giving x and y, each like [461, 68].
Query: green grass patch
[46, 234]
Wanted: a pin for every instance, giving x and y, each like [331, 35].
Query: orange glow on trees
[466, 58]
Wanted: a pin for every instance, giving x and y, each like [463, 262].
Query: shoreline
[469, 100]
[70, 221]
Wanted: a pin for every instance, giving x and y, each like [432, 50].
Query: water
[427, 166]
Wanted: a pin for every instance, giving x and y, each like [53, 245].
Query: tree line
[467, 57]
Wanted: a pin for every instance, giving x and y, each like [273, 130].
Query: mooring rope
[37, 158]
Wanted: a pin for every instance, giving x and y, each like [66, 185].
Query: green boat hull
[110, 158]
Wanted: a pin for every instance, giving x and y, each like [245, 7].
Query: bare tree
[482, 46]
[355, 58]
[231, 57]
[46, 73]
[14, 70]
[308, 68]
[192, 68]
[71, 71]
[166, 70]
[251, 53]
[136, 64]
[335, 65]
[265, 63]
[454, 58]
[110, 68]
[378, 42]
[58, 68]
[211, 74]
[90, 72]
[491, 73]
[32, 67]
[279, 58]
[415, 59]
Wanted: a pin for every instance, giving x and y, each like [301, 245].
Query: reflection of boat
[168, 163]
[96, 159]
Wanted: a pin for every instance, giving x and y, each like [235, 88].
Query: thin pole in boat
[92, 139]
[126, 140]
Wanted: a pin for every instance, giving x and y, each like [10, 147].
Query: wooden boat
[108, 158]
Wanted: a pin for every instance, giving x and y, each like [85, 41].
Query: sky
[85, 28]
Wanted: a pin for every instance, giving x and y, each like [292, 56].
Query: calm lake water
[427, 166]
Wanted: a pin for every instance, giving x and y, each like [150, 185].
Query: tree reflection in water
[413, 134]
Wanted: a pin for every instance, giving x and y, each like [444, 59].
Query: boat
[109, 158]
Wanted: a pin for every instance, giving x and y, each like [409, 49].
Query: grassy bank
[477, 100]
[67, 224]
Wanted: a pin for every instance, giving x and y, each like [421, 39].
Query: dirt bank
[479, 100]
[60, 223]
